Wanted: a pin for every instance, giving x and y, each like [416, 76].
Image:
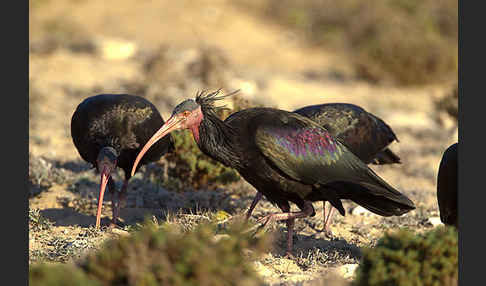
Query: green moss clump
[59, 275]
[164, 256]
[404, 258]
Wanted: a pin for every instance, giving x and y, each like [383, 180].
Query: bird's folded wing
[307, 153]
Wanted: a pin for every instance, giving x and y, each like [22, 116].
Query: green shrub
[164, 256]
[196, 169]
[404, 258]
[407, 42]
[58, 275]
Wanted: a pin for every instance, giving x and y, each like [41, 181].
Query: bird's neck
[214, 138]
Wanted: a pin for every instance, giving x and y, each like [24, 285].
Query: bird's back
[447, 186]
[362, 132]
[125, 122]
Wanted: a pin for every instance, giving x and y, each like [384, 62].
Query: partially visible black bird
[363, 133]
[109, 130]
[285, 156]
[447, 186]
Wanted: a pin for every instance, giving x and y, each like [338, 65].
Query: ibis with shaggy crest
[287, 157]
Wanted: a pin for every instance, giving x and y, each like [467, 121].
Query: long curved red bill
[104, 181]
[170, 125]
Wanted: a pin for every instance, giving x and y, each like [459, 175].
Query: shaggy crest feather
[207, 100]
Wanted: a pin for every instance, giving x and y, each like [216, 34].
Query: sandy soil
[269, 65]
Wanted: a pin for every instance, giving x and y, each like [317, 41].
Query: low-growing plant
[165, 256]
[44, 274]
[37, 221]
[405, 258]
[43, 174]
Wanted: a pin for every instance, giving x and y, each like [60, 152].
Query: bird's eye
[186, 113]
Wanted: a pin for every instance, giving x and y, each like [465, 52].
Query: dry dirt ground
[166, 52]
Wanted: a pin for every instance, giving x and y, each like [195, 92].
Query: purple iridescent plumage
[307, 142]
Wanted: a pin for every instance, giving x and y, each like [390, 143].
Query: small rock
[263, 270]
[285, 265]
[359, 210]
[116, 49]
[419, 120]
[218, 237]
[248, 88]
[434, 221]
[347, 270]
[119, 231]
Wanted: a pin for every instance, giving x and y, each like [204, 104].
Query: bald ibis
[285, 156]
[363, 133]
[447, 186]
[109, 130]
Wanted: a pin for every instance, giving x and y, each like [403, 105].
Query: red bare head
[186, 115]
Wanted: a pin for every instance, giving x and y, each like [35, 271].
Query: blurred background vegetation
[407, 42]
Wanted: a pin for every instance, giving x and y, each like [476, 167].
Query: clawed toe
[329, 233]
[265, 220]
[289, 255]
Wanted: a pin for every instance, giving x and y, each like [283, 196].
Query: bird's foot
[266, 220]
[260, 224]
[328, 233]
[289, 255]
[115, 223]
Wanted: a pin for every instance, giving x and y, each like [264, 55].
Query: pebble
[434, 221]
[120, 231]
[116, 49]
[359, 210]
[218, 237]
[347, 271]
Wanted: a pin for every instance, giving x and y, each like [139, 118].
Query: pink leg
[290, 236]
[257, 198]
[116, 202]
[307, 210]
[328, 220]
[324, 213]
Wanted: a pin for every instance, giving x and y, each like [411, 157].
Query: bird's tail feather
[376, 196]
[382, 205]
[382, 199]
[386, 157]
